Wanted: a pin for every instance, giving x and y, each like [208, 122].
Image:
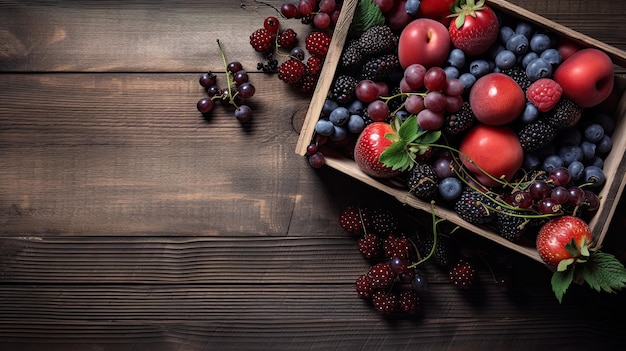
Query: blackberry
[377, 40]
[519, 75]
[474, 207]
[564, 115]
[458, 122]
[379, 68]
[351, 57]
[422, 181]
[509, 225]
[343, 87]
[534, 136]
[383, 222]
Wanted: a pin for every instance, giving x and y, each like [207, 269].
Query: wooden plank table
[129, 222]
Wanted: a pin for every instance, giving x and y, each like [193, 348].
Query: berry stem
[432, 249]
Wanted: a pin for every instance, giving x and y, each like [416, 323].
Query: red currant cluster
[238, 89]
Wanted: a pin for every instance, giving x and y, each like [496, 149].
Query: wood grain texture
[130, 222]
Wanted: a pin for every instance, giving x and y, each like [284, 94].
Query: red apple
[424, 41]
[496, 99]
[490, 151]
[586, 77]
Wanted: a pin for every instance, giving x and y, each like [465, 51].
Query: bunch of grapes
[238, 88]
[321, 14]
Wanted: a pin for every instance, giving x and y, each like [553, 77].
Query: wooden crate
[614, 164]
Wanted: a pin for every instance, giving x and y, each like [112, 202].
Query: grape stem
[231, 97]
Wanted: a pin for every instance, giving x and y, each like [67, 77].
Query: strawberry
[566, 243]
[462, 274]
[544, 93]
[384, 150]
[288, 39]
[354, 219]
[475, 27]
[317, 44]
[291, 71]
[262, 40]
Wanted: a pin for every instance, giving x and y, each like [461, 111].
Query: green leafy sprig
[366, 15]
[409, 142]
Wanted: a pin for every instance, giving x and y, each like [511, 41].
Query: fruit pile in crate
[487, 115]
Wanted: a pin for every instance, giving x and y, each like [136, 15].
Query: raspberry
[291, 71]
[352, 219]
[262, 40]
[462, 274]
[369, 246]
[307, 84]
[544, 93]
[364, 286]
[381, 275]
[314, 65]
[288, 39]
[317, 44]
[385, 302]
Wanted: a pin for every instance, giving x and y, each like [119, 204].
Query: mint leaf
[604, 272]
[366, 15]
[561, 281]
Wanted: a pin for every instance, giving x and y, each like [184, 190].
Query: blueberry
[576, 170]
[606, 121]
[451, 72]
[297, 52]
[505, 59]
[526, 59]
[531, 161]
[604, 145]
[419, 282]
[589, 149]
[539, 42]
[530, 114]
[356, 107]
[456, 58]
[479, 67]
[329, 106]
[339, 116]
[356, 124]
[546, 150]
[411, 6]
[402, 115]
[324, 127]
[505, 34]
[339, 134]
[518, 43]
[494, 50]
[524, 28]
[450, 188]
[551, 162]
[468, 80]
[552, 56]
[596, 161]
[594, 176]
[593, 133]
[570, 153]
[538, 68]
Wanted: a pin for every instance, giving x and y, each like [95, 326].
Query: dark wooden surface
[129, 222]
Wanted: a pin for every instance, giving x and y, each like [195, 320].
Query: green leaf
[366, 15]
[561, 280]
[604, 272]
[408, 129]
[430, 137]
[564, 264]
[395, 156]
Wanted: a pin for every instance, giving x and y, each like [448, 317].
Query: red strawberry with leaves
[475, 27]
[384, 150]
[566, 243]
